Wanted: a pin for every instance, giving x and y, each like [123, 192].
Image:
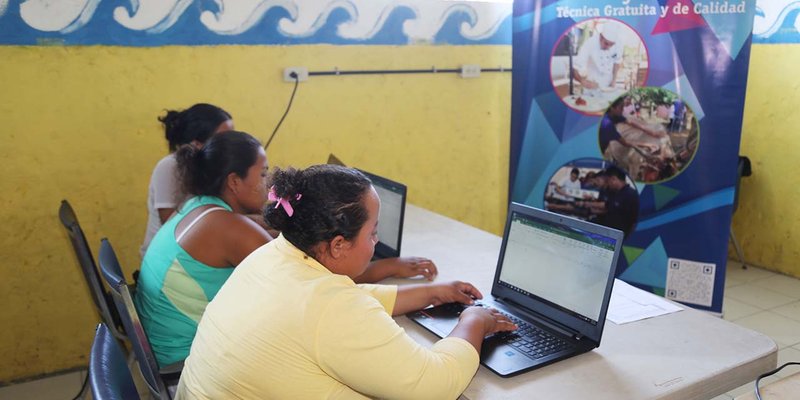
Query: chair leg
[738, 249]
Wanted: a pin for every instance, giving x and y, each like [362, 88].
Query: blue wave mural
[777, 21]
[265, 22]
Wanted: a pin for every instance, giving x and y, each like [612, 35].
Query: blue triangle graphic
[663, 195]
[639, 186]
[554, 112]
[650, 267]
[574, 123]
[538, 146]
[683, 88]
[732, 30]
[583, 145]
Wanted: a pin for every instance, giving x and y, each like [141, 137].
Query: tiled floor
[755, 298]
[769, 303]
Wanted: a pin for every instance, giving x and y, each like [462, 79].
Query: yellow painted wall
[767, 222]
[80, 123]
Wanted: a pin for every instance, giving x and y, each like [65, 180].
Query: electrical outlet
[470, 71]
[302, 74]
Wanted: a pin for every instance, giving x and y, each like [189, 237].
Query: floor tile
[733, 309]
[749, 387]
[733, 279]
[791, 310]
[758, 296]
[789, 354]
[731, 282]
[785, 285]
[784, 331]
[57, 387]
[723, 397]
[735, 271]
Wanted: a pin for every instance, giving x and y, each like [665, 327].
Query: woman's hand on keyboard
[475, 323]
[494, 321]
[454, 292]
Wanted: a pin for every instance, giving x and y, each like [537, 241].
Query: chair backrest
[102, 299]
[112, 272]
[109, 376]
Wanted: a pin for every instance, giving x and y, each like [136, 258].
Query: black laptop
[554, 278]
[393, 208]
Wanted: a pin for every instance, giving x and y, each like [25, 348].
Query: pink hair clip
[281, 201]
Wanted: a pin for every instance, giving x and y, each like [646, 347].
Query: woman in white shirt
[194, 126]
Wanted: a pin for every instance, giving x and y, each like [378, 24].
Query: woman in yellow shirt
[290, 323]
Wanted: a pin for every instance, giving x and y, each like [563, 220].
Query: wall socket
[302, 74]
[470, 71]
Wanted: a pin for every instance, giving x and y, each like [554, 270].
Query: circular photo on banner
[649, 132]
[595, 61]
[594, 190]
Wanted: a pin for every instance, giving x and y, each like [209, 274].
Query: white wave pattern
[367, 18]
[307, 23]
[236, 17]
[485, 19]
[151, 16]
[63, 16]
[774, 13]
[306, 17]
[3, 7]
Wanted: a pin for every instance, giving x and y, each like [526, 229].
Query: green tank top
[174, 289]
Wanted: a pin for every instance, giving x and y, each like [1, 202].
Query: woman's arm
[360, 345]
[398, 267]
[416, 297]
[476, 323]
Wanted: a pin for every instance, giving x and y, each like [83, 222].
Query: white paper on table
[629, 304]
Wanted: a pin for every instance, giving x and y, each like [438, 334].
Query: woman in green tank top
[195, 251]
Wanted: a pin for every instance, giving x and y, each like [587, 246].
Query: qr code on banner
[690, 281]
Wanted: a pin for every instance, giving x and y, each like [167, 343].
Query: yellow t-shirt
[284, 327]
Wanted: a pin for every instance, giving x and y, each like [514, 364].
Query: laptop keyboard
[527, 339]
[531, 340]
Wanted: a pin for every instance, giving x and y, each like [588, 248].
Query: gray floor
[754, 298]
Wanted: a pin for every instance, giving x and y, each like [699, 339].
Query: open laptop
[393, 208]
[553, 278]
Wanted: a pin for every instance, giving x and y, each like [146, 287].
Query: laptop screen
[390, 219]
[391, 214]
[558, 264]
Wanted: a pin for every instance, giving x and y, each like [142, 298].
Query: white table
[684, 355]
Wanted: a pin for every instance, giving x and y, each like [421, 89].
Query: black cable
[434, 70]
[83, 387]
[288, 107]
[774, 371]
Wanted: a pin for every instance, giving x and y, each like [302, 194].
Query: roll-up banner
[629, 114]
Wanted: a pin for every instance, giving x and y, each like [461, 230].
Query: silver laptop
[553, 278]
[393, 207]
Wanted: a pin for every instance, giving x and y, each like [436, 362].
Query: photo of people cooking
[596, 191]
[596, 61]
[650, 133]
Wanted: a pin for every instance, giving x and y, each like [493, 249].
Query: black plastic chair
[102, 299]
[161, 382]
[743, 168]
[109, 375]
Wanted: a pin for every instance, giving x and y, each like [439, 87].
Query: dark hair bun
[327, 201]
[196, 123]
[204, 171]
